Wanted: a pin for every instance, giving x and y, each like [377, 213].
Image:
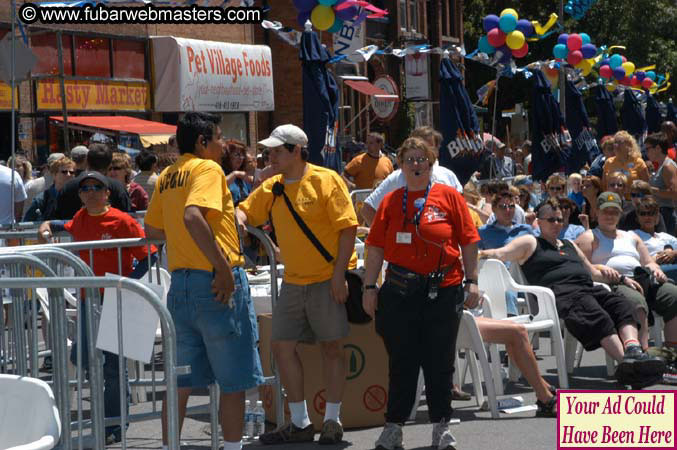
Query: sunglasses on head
[506, 207]
[553, 220]
[92, 188]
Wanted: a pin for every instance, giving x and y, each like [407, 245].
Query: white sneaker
[391, 437]
[442, 437]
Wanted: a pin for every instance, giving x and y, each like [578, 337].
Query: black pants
[419, 332]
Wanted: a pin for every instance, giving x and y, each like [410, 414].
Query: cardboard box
[366, 391]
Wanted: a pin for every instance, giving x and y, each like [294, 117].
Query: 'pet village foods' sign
[208, 76]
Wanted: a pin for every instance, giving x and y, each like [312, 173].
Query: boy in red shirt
[94, 222]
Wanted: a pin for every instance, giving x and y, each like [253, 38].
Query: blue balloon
[490, 22]
[525, 27]
[336, 26]
[327, 2]
[640, 76]
[507, 23]
[348, 13]
[615, 61]
[302, 17]
[585, 37]
[563, 38]
[305, 5]
[651, 75]
[568, 9]
[588, 51]
[619, 73]
[560, 51]
[604, 62]
[484, 46]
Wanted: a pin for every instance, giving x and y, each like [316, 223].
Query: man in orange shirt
[367, 168]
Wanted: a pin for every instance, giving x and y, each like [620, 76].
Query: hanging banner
[417, 77]
[93, 95]
[6, 97]
[348, 40]
[209, 76]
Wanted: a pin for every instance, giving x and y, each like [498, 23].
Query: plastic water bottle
[259, 419]
[247, 429]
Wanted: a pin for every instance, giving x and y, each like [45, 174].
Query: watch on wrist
[470, 281]
[621, 280]
[368, 287]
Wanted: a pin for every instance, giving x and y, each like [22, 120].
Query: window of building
[411, 13]
[449, 18]
[45, 49]
[129, 59]
[92, 57]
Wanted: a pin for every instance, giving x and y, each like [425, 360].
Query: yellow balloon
[322, 17]
[629, 68]
[509, 11]
[586, 66]
[515, 40]
[611, 87]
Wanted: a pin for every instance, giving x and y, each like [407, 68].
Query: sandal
[547, 409]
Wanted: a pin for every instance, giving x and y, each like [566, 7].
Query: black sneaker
[670, 375]
[547, 409]
[637, 366]
[287, 434]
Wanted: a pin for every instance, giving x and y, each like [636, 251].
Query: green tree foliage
[647, 28]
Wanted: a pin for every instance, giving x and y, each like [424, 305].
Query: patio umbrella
[548, 154]
[632, 114]
[320, 97]
[462, 150]
[607, 123]
[653, 114]
[583, 147]
[672, 114]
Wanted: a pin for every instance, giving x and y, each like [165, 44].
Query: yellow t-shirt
[632, 169]
[322, 200]
[475, 218]
[192, 181]
[366, 170]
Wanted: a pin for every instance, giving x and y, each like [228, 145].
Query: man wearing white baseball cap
[315, 224]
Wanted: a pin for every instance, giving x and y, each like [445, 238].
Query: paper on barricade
[139, 323]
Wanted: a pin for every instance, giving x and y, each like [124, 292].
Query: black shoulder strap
[278, 189]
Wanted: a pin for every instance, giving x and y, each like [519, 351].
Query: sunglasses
[637, 195]
[647, 213]
[92, 188]
[67, 172]
[617, 185]
[117, 168]
[556, 188]
[411, 160]
[553, 220]
[506, 207]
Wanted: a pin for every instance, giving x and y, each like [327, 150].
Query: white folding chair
[495, 280]
[29, 418]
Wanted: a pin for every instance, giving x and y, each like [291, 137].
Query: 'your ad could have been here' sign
[208, 76]
[616, 419]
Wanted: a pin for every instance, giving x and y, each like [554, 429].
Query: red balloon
[605, 71]
[496, 37]
[647, 83]
[574, 42]
[521, 52]
[574, 57]
[635, 81]
[627, 81]
[624, 58]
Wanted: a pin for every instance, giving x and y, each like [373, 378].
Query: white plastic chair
[29, 418]
[495, 280]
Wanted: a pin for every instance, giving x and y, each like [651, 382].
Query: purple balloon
[525, 27]
[302, 17]
[589, 51]
[490, 22]
[563, 38]
[640, 75]
[305, 5]
[604, 62]
[348, 13]
[619, 73]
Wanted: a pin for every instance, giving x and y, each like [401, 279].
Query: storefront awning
[150, 133]
[367, 88]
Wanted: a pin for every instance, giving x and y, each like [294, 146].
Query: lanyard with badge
[402, 237]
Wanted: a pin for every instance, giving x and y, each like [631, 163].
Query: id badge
[403, 238]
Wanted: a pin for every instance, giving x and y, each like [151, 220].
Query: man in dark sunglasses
[629, 220]
[592, 314]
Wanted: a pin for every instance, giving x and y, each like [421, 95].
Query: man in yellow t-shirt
[369, 167]
[310, 305]
[208, 298]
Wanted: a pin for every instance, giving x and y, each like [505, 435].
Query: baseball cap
[95, 176]
[54, 157]
[609, 200]
[526, 181]
[79, 151]
[285, 134]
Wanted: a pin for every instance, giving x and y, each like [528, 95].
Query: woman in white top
[616, 254]
[662, 246]
[664, 180]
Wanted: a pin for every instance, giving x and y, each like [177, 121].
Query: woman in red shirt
[420, 230]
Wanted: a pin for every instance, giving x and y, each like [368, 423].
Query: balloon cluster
[323, 14]
[617, 68]
[506, 34]
[577, 50]
[578, 8]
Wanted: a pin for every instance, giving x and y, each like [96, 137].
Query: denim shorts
[217, 342]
